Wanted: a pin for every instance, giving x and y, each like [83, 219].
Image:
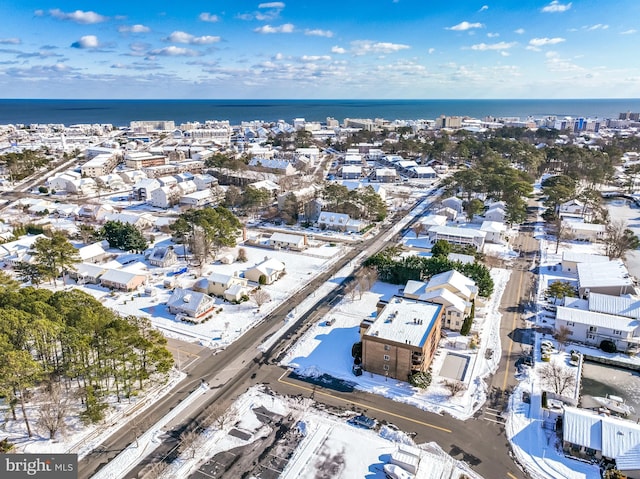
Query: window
[616, 332]
[571, 323]
[592, 329]
[591, 336]
[387, 347]
[458, 314]
[386, 357]
[385, 367]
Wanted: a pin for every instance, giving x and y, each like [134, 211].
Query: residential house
[141, 221]
[95, 212]
[454, 203]
[281, 166]
[592, 436]
[230, 287]
[571, 260]
[339, 222]
[122, 280]
[270, 269]
[496, 212]
[461, 236]
[609, 277]
[351, 172]
[93, 253]
[423, 172]
[433, 220]
[449, 213]
[192, 304]
[592, 328]
[85, 273]
[287, 241]
[196, 199]
[162, 257]
[100, 165]
[495, 231]
[574, 209]
[386, 175]
[143, 189]
[585, 231]
[403, 338]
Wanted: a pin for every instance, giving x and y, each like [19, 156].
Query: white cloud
[319, 33]
[338, 50]
[78, 16]
[173, 51]
[631, 31]
[493, 35]
[279, 5]
[463, 26]
[10, 41]
[493, 46]
[285, 28]
[363, 47]
[540, 42]
[184, 37]
[137, 28]
[483, 8]
[519, 31]
[86, 42]
[315, 58]
[504, 53]
[555, 6]
[431, 50]
[557, 64]
[597, 26]
[208, 17]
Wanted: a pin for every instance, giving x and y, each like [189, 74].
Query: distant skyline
[375, 49]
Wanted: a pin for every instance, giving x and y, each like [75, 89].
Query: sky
[296, 49]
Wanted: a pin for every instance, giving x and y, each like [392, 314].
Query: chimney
[244, 233]
[306, 240]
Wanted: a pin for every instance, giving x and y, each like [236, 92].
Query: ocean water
[121, 112]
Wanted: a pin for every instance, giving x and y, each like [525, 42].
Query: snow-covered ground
[231, 320]
[358, 452]
[327, 350]
[76, 437]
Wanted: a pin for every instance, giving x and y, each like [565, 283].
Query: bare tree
[619, 239]
[242, 255]
[352, 291]
[418, 228]
[189, 442]
[562, 336]
[455, 387]
[561, 231]
[260, 297]
[52, 411]
[557, 378]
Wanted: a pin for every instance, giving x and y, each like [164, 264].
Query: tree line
[67, 343]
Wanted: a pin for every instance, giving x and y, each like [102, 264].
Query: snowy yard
[327, 350]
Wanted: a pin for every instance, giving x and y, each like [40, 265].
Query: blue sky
[320, 49]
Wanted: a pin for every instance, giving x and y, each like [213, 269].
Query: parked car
[363, 421]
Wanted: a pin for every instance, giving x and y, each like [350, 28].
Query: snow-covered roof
[414, 287]
[463, 258]
[611, 273]
[86, 269]
[460, 232]
[457, 280]
[577, 257]
[404, 320]
[118, 276]
[286, 238]
[351, 169]
[616, 438]
[90, 251]
[493, 227]
[601, 320]
[434, 220]
[187, 300]
[424, 170]
[620, 305]
[445, 297]
[580, 226]
[270, 266]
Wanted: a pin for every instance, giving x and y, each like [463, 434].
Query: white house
[351, 172]
[497, 214]
[163, 257]
[585, 231]
[165, 196]
[197, 198]
[386, 175]
[228, 286]
[271, 269]
[454, 203]
[195, 305]
[592, 328]
[339, 222]
[286, 241]
[461, 236]
[495, 231]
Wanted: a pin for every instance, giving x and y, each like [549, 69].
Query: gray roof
[620, 305]
[601, 320]
[611, 273]
[403, 320]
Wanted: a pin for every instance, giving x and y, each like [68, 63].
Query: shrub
[608, 346]
[262, 280]
[466, 326]
[43, 189]
[544, 399]
[356, 350]
[420, 380]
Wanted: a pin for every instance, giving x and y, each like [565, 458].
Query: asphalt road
[481, 442]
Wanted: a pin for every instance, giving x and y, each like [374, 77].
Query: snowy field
[327, 350]
[231, 320]
[358, 452]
